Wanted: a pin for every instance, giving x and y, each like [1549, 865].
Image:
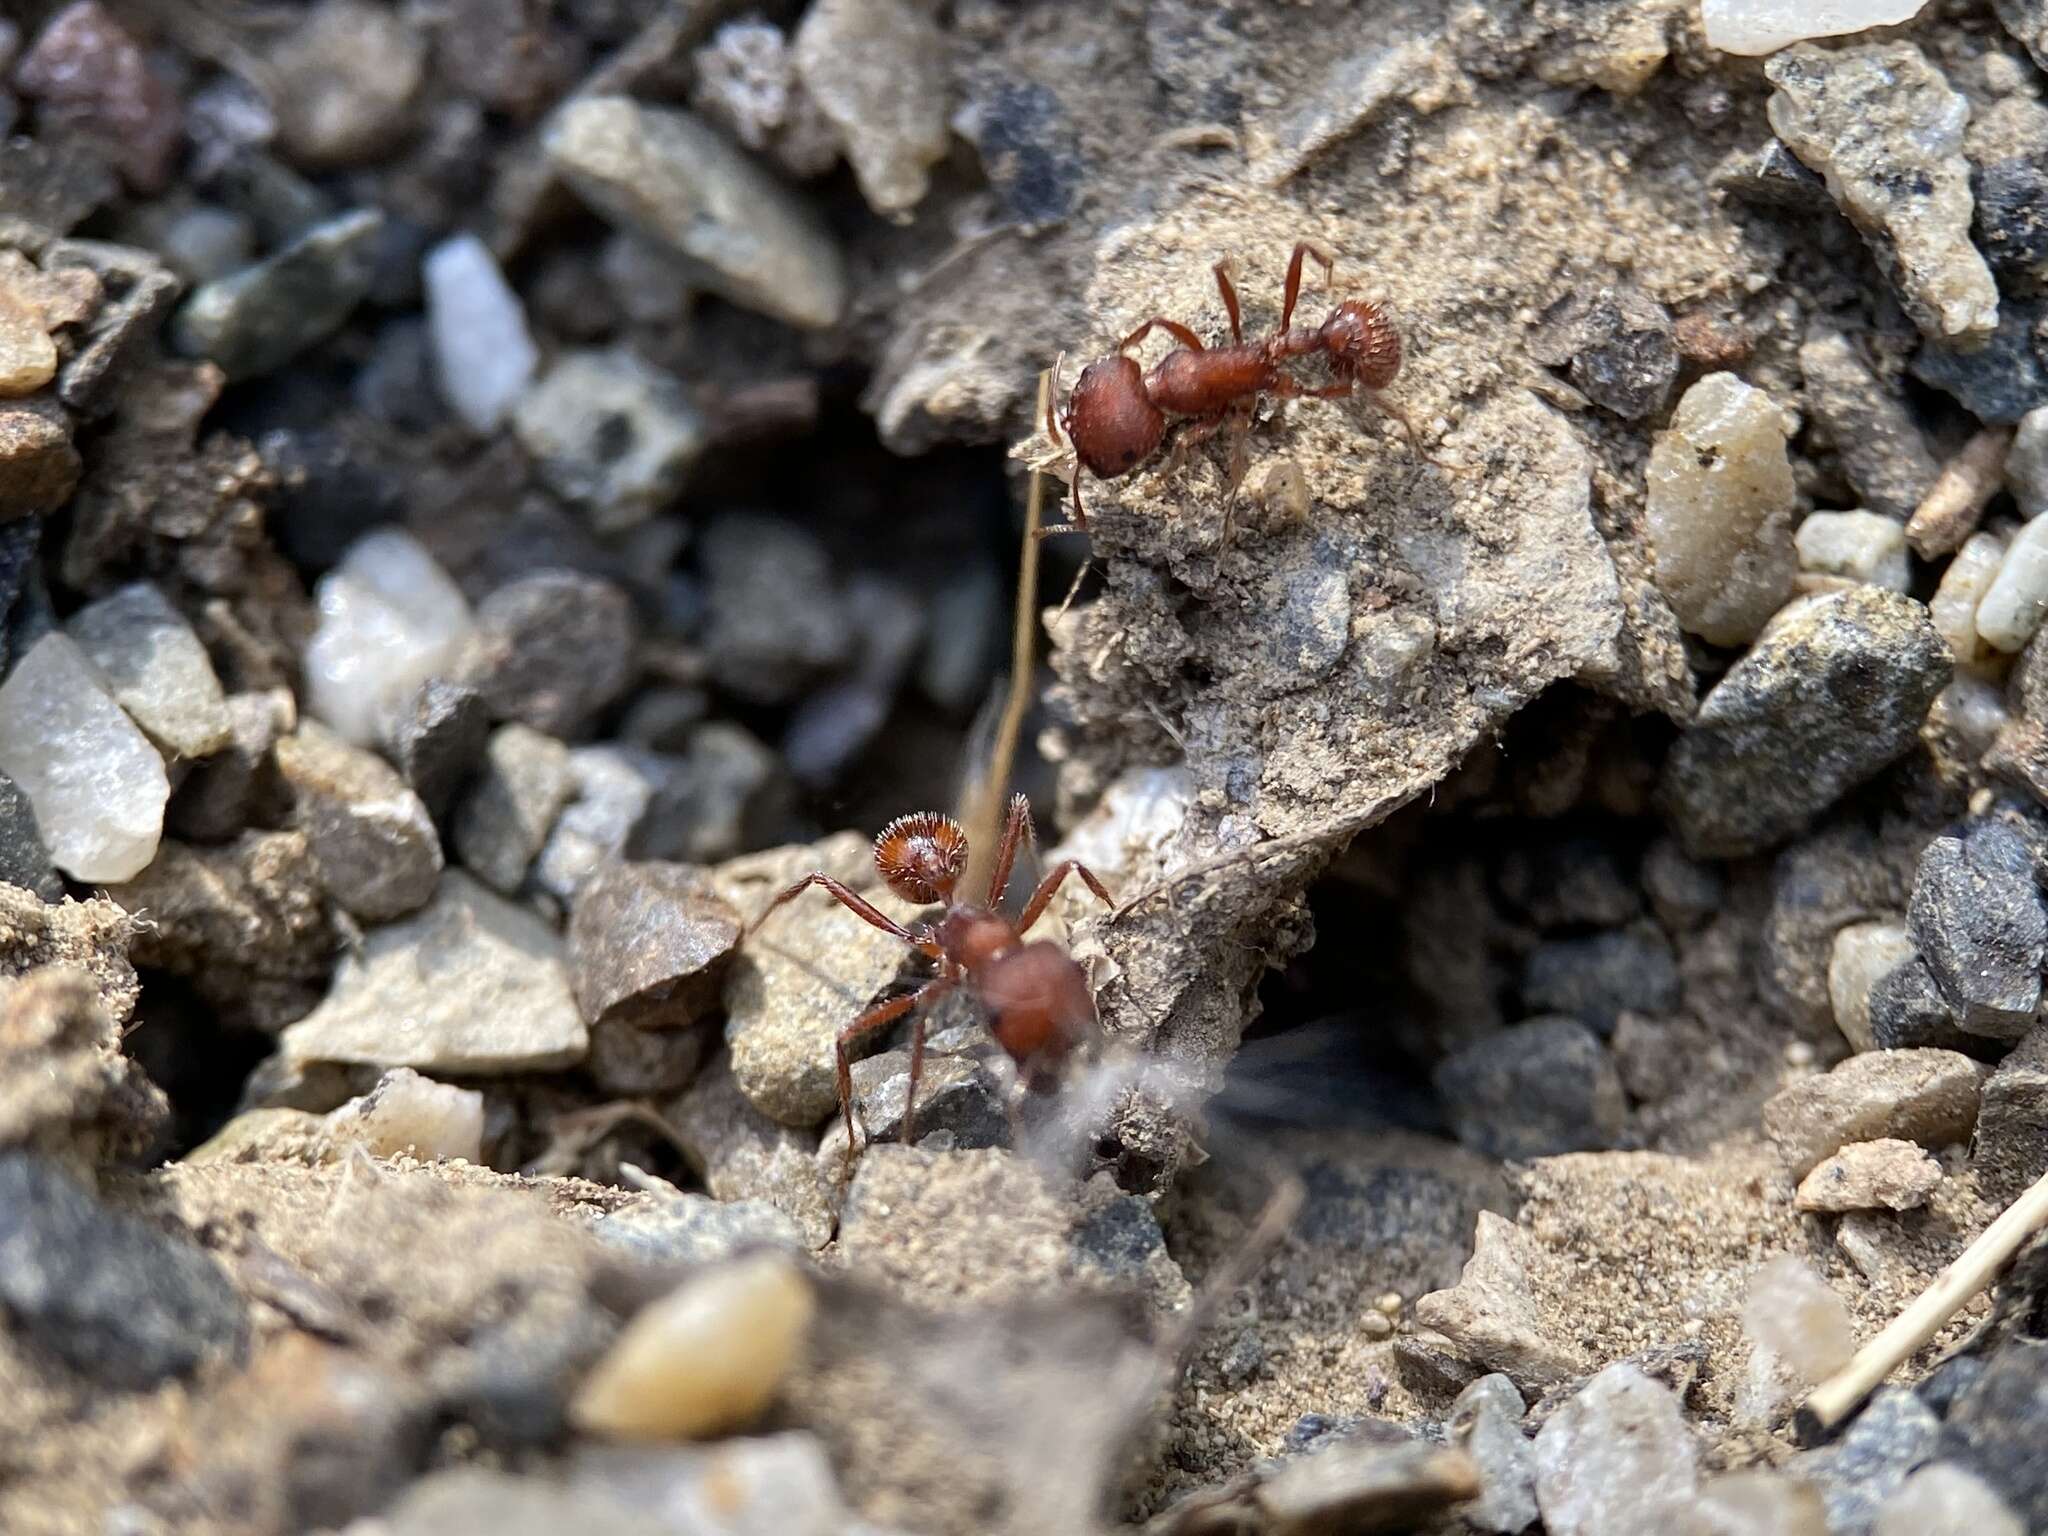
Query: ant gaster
[1037, 997]
[1118, 414]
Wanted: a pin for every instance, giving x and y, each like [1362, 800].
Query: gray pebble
[1537, 1089]
[258, 319]
[775, 622]
[1616, 344]
[612, 432]
[696, 1229]
[957, 1094]
[552, 650]
[439, 739]
[378, 853]
[2011, 1149]
[118, 1299]
[504, 820]
[1998, 1424]
[2006, 377]
[156, 669]
[649, 944]
[1889, 1438]
[1833, 691]
[1981, 926]
[24, 861]
[1883, 453]
[1487, 1420]
[1597, 977]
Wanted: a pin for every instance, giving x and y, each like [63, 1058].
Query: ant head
[1111, 421]
[1362, 343]
[921, 856]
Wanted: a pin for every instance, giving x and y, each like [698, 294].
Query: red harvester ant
[1117, 415]
[1037, 998]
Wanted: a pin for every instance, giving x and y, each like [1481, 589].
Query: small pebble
[504, 820]
[156, 668]
[1862, 956]
[1980, 923]
[1870, 1175]
[1719, 510]
[1543, 1087]
[1927, 1096]
[665, 175]
[1963, 585]
[254, 321]
[1615, 1458]
[390, 618]
[649, 945]
[1882, 1445]
[1487, 1420]
[378, 853]
[2011, 1147]
[1880, 122]
[551, 650]
[1755, 1504]
[610, 431]
[346, 74]
[484, 356]
[704, 1360]
[877, 71]
[28, 358]
[38, 466]
[1859, 546]
[2026, 464]
[97, 786]
[439, 739]
[86, 68]
[409, 1115]
[2012, 606]
[1882, 450]
[1759, 27]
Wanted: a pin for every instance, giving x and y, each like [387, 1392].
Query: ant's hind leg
[1040, 898]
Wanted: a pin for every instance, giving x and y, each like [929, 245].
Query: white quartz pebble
[390, 618]
[1867, 547]
[1963, 584]
[1757, 27]
[97, 786]
[483, 353]
[2011, 608]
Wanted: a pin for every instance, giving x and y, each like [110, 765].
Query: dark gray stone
[440, 739]
[1121, 1238]
[2002, 380]
[552, 650]
[24, 860]
[258, 319]
[649, 943]
[1981, 926]
[1487, 1420]
[1771, 176]
[629, 1062]
[505, 817]
[1030, 151]
[1880, 446]
[1540, 1088]
[1891, 1437]
[2011, 1149]
[1595, 978]
[1569, 882]
[1949, 1380]
[1684, 893]
[2011, 219]
[1998, 1425]
[1908, 1010]
[116, 1298]
[1831, 693]
[696, 1229]
[774, 622]
[955, 1094]
[1616, 345]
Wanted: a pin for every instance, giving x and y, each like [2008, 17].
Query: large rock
[1831, 693]
[1926, 1096]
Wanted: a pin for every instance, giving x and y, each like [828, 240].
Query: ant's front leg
[855, 903]
[1042, 897]
[1173, 328]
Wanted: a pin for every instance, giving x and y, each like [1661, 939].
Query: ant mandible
[1118, 414]
[1037, 997]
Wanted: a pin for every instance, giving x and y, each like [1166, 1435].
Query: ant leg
[1173, 328]
[1016, 832]
[880, 1016]
[1035, 907]
[857, 905]
[1303, 248]
[1290, 389]
[1229, 292]
[1077, 520]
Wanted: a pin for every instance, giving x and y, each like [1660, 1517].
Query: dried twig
[1977, 1266]
[1967, 483]
[981, 802]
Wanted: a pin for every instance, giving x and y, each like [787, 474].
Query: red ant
[1117, 415]
[1037, 998]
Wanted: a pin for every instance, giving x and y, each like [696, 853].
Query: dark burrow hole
[188, 1051]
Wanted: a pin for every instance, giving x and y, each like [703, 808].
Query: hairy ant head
[1112, 423]
[921, 856]
[1362, 344]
